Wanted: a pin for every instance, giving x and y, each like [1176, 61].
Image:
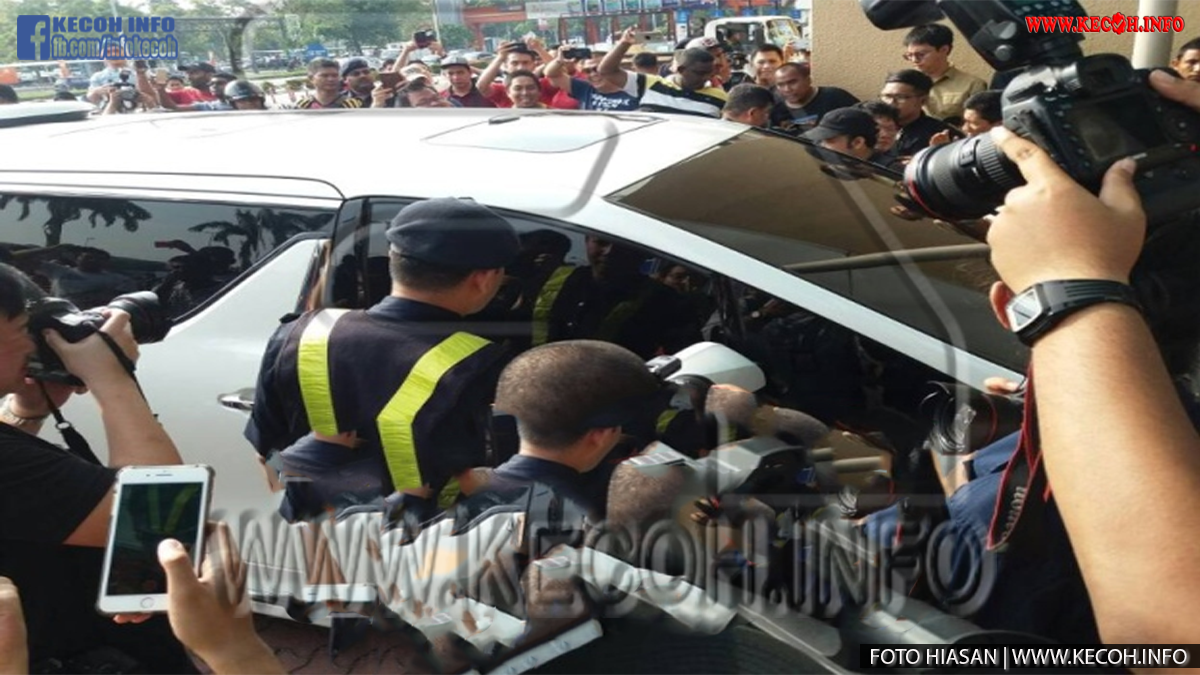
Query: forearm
[611, 64]
[1116, 441]
[255, 657]
[488, 76]
[558, 75]
[134, 436]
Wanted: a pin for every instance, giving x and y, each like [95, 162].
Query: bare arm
[489, 74]
[402, 59]
[610, 66]
[134, 436]
[1109, 415]
[557, 73]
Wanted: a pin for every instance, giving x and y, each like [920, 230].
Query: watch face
[1023, 310]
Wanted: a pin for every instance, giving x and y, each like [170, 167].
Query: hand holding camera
[90, 359]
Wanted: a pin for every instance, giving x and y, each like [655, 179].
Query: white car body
[194, 378]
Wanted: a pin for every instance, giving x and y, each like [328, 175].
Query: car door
[228, 259]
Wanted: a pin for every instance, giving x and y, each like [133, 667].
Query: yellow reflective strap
[312, 366]
[545, 302]
[611, 327]
[395, 423]
[448, 494]
[665, 419]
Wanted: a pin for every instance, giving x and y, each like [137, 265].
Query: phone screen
[146, 514]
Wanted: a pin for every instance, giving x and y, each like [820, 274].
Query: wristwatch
[1042, 306]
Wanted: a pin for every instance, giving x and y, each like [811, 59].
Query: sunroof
[542, 132]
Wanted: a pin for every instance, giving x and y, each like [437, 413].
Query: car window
[568, 283]
[91, 249]
[774, 205]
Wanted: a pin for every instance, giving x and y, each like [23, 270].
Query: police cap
[455, 233]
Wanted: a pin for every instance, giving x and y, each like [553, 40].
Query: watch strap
[1060, 299]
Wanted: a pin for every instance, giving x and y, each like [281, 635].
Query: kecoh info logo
[41, 37]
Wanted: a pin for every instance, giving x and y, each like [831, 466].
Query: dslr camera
[148, 320]
[1087, 112]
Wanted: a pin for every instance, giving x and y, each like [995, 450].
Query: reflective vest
[609, 329]
[395, 421]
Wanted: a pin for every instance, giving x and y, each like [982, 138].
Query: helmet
[242, 89]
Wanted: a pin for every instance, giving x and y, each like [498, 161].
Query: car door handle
[242, 399]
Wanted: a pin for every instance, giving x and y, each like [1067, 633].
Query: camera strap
[75, 441]
[1017, 520]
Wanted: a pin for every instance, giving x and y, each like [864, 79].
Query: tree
[358, 22]
[250, 226]
[455, 36]
[64, 210]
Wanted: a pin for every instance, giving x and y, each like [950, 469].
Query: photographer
[1108, 413]
[56, 506]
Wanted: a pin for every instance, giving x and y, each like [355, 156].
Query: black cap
[354, 64]
[224, 75]
[200, 65]
[845, 122]
[455, 233]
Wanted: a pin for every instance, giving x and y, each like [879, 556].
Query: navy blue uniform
[371, 353]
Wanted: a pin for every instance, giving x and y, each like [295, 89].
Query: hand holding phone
[152, 504]
[390, 79]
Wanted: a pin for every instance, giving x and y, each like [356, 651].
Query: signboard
[550, 9]
[315, 50]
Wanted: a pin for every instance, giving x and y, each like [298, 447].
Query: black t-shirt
[45, 493]
[915, 135]
[808, 116]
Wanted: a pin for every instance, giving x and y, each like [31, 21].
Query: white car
[751, 217]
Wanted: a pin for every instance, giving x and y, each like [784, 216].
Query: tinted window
[772, 201]
[89, 249]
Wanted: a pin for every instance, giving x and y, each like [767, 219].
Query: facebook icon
[33, 37]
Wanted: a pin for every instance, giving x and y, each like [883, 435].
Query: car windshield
[783, 203]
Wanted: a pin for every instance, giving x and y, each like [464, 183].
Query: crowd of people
[1121, 425]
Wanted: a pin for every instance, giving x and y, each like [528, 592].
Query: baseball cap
[457, 233]
[224, 75]
[354, 64]
[200, 65]
[414, 72]
[455, 61]
[845, 122]
[705, 43]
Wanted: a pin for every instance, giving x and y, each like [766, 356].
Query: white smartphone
[152, 503]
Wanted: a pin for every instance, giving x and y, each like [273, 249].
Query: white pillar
[1154, 49]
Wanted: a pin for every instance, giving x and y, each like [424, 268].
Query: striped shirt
[342, 101]
[660, 93]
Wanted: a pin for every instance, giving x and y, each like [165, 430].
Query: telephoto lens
[963, 180]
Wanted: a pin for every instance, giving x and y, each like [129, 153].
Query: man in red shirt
[513, 57]
[200, 76]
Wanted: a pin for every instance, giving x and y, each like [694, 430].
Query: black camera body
[148, 320]
[577, 53]
[1087, 112]
[1098, 110]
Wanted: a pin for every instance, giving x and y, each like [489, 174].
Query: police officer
[396, 396]
[611, 300]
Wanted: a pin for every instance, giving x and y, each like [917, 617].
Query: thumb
[178, 566]
[1117, 191]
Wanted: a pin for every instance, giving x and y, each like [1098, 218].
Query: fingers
[1033, 162]
[1001, 385]
[181, 579]
[1118, 192]
[1176, 89]
[131, 618]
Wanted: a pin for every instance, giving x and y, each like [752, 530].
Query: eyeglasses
[917, 56]
[897, 97]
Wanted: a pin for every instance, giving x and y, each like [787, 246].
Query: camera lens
[147, 318]
[961, 180]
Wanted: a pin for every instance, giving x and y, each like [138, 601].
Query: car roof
[359, 152]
